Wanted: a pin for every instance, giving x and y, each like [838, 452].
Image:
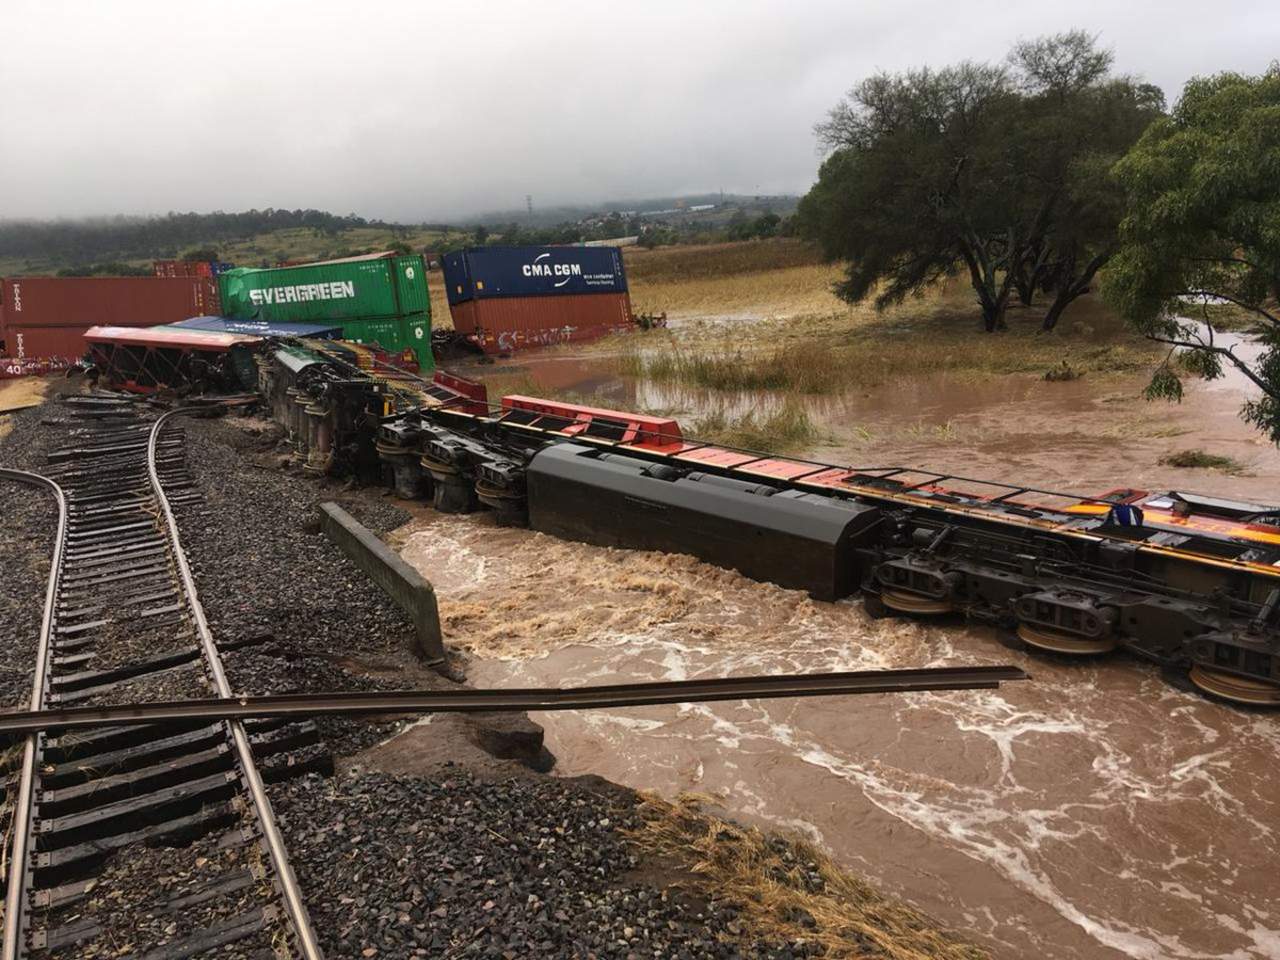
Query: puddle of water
[1085, 436]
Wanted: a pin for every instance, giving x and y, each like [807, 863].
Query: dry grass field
[772, 278]
[796, 336]
[760, 317]
[771, 878]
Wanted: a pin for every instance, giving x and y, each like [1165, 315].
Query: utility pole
[528, 202]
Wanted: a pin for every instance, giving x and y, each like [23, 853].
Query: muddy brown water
[1092, 811]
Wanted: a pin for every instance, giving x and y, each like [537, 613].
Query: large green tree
[1202, 227]
[912, 186]
[1000, 172]
[1074, 121]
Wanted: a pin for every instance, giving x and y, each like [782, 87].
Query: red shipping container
[182, 268]
[105, 301]
[499, 325]
[12, 368]
[32, 343]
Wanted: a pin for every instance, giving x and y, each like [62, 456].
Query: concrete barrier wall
[403, 584]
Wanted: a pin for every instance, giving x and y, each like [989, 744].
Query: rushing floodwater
[1092, 811]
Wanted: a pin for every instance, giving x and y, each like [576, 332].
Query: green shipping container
[382, 301]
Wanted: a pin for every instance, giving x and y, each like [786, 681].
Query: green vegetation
[1198, 459]
[126, 245]
[113, 269]
[787, 428]
[71, 243]
[767, 225]
[870, 356]
[1225, 317]
[719, 261]
[804, 367]
[1201, 235]
[999, 173]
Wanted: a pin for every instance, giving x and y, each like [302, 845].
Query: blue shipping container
[263, 328]
[479, 273]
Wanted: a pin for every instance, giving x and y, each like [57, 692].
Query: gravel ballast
[266, 574]
[27, 520]
[263, 568]
[457, 866]
[26, 545]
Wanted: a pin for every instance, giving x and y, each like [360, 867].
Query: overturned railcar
[1188, 582]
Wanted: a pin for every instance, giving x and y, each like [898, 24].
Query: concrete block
[404, 585]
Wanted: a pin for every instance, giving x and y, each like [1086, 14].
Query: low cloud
[414, 111]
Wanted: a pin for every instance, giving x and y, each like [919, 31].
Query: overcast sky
[422, 110]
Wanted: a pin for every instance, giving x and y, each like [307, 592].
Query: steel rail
[289, 889]
[20, 821]
[520, 699]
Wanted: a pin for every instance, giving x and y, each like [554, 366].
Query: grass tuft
[786, 429]
[788, 890]
[871, 357]
[1199, 459]
[804, 367]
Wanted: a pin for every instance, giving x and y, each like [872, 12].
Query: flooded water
[1092, 811]
[1084, 436]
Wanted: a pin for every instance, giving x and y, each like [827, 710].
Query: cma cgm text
[552, 269]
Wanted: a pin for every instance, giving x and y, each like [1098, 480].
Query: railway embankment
[439, 836]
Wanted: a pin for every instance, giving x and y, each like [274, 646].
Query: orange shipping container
[500, 325]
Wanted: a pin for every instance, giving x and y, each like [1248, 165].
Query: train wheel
[1257, 693]
[1055, 641]
[874, 606]
[1010, 640]
[914, 603]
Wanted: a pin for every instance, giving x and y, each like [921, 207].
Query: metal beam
[535, 699]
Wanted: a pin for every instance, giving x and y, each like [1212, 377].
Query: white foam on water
[965, 828]
[441, 548]
[1188, 767]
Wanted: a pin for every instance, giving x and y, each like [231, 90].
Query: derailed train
[1188, 582]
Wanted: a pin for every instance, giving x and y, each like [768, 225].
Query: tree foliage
[999, 171]
[1202, 227]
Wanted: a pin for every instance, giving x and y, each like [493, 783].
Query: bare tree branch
[1253, 308]
[1239, 364]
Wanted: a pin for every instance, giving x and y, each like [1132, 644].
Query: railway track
[123, 624]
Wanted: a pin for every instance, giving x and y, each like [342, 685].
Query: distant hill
[725, 204]
[249, 237]
[265, 237]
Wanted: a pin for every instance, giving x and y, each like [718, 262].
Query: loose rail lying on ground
[472, 701]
